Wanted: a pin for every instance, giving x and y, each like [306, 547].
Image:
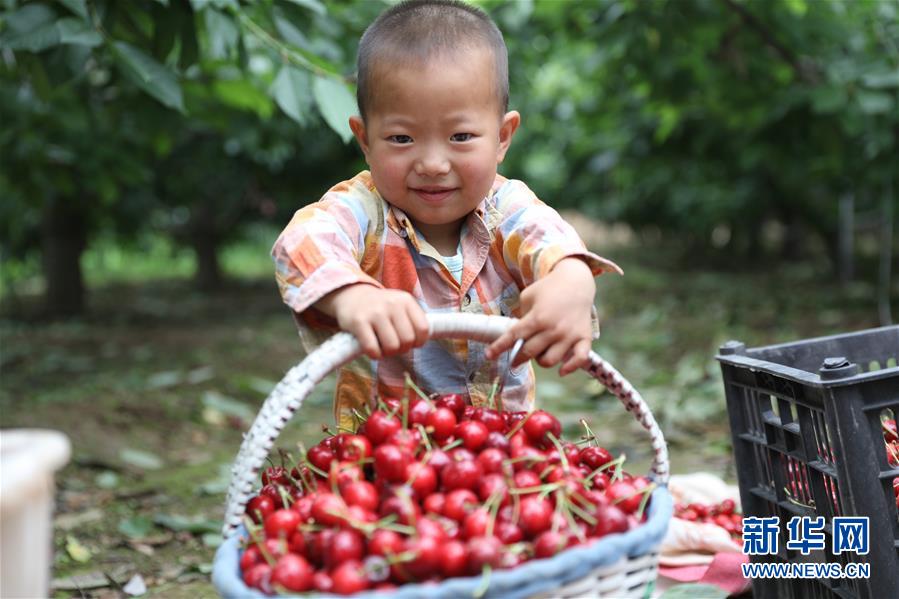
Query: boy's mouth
[433, 194]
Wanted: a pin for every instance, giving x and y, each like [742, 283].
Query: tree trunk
[63, 239]
[208, 276]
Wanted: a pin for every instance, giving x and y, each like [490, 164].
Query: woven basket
[618, 565]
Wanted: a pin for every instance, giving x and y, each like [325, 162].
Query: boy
[433, 228]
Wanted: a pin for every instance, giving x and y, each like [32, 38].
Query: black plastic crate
[808, 441]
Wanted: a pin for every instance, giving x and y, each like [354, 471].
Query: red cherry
[610, 519]
[320, 456]
[453, 559]
[452, 401]
[427, 527]
[526, 457]
[408, 440]
[391, 462]
[385, 543]
[483, 551]
[491, 460]
[434, 503]
[345, 545]
[508, 532]
[348, 578]
[354, 448]
[303, 506]
[297, 543]
[321, 581]
[492, 419]
[329, 509]
[343, 473]
[427, 558]
[259, 577]
[419, 409]
[281, 523]
[459, 503]
[422, 478]
[276, 475]
[361, 493]
[379, 427]
[438, 459]
[549, 543]
[273, 492]
[536, 515]
[442, 421]
[525, 479]
[595, 457]
[259, 507]
[493, 484]
[476, 523]
[539, 425]
[625, 495]
[249, 557]
[405, 508]
[292, 572]
[461, 475]
[497, 440]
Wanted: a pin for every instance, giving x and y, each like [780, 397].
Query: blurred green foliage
[707, 120]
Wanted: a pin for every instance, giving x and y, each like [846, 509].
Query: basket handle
[298, 383]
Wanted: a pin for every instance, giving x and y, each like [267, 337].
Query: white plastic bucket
[28, 460]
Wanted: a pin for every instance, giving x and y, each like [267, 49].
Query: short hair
[418, 30]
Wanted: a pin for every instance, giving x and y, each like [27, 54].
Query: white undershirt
[454, 264]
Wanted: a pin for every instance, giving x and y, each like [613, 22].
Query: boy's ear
[357, 125]
[507, 129]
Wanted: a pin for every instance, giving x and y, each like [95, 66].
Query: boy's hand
[555, 321]
[384, 321]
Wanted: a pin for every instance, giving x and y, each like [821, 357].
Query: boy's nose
[431, 164]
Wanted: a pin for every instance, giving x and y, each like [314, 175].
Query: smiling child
[432, 227]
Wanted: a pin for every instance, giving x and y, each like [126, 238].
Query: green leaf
[137, 527]
[336, 105]
[242, 94]
[313, 5]
[872, 102]
[212, 539]
[195, 524]
[694, 591]
[141, 459]
[215, 401]
[29, 18]
[149, 75]
[828, 99]
[223, 33]
[76, 31]
[36, 40]
[881, 80]
[76, 550]
[79, 7]
[291, 91]
[107, 479]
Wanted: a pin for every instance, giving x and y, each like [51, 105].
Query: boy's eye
[461, 137]
[400, 139]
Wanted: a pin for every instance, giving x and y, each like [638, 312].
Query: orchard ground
[157, 383]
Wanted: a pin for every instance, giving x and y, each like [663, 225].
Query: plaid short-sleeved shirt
[352, 235]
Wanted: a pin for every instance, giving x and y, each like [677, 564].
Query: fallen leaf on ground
[76, 550]
[141, 459]
[70, 521]
[86, 581]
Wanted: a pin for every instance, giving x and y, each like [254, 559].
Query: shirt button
[466, 300]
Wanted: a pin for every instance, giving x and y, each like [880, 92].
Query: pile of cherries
[432, 488]
[891, 438]
[723, 514]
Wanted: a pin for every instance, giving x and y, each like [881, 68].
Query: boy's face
[433, 138]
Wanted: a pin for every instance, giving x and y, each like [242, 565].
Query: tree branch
[772, 42]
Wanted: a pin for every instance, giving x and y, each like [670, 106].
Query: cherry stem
[550, 487]
[645, 501]
[492, 504]
[485, 582]
[417, 389]
[452, 445]
[253, 531]
[518, 426]
[561, 450]
[590, 434]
